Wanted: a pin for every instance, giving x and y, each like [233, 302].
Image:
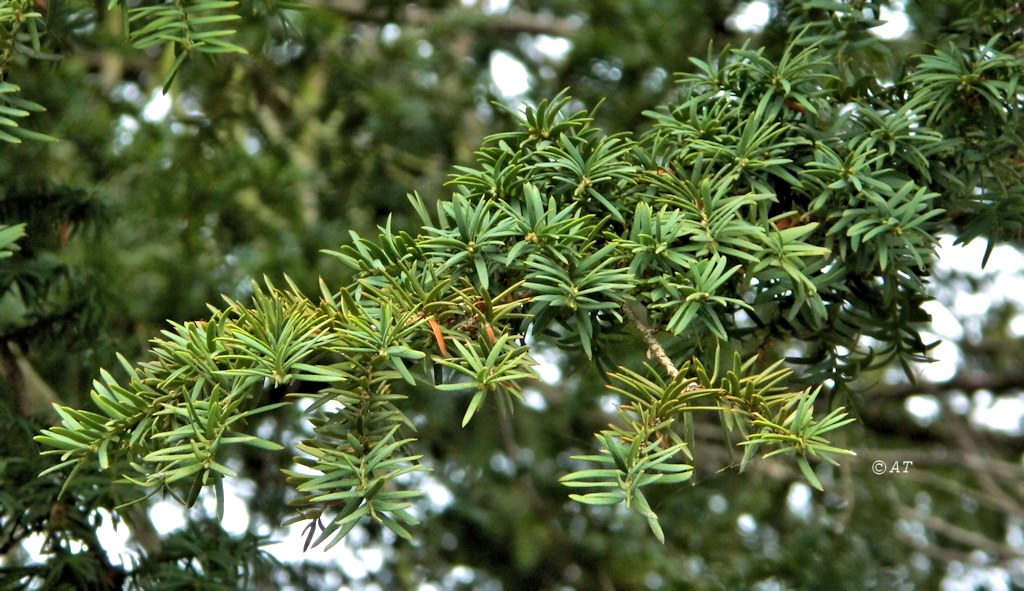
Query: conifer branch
[654, 348]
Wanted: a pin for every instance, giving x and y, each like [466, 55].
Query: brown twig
[653, 346]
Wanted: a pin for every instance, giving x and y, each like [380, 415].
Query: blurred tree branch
[966, 382]
[512, 22]
[959, 535]
[35, 396]
[891, 422]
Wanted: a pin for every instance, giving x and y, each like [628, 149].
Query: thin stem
[653, 346]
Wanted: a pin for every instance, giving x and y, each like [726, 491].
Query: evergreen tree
[725, 279]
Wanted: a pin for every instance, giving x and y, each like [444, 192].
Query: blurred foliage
[715, 287]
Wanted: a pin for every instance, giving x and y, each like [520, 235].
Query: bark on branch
[653, 346]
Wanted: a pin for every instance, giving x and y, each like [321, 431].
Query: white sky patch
[1005, 414]
[1005, 268]
[746, 523]
[354, 563]
[608, 403]
[115, 539]
[555, 48]
[971, 253]
[971, 304]
[124, 133]
[509, 74]
[547, 367]
[959, 403]
[944, 323]
[236, 510]
[1003, 258]
[717, 503]
[750, 17]
[158, 107]
[897, 24]
[167, 516]
[798, 500]
[288, 547]
[390, 33]
[532, 398]
[1009, 264]
[129, 92]
[1017, 326]
[961, 577]
[251, 143]
[964, 310]
[372, 558]
[489, 6]
[438, 494]
[947, 360]
[1015, 533]
[924, 408]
